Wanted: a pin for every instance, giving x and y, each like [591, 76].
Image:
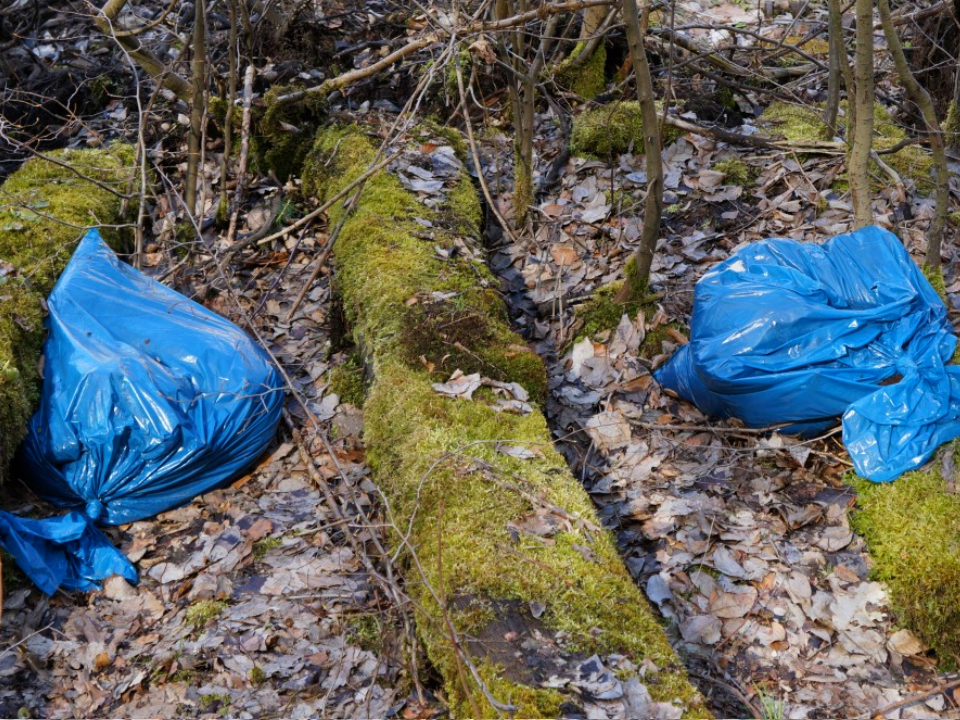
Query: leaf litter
[740, 538]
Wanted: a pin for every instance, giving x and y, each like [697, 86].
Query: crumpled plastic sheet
[794, 334]
[149, 400]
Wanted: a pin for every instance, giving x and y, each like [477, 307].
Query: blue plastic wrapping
[786, 333]
[149, 400]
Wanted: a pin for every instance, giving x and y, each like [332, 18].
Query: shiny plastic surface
[786, 332]
[149, 399]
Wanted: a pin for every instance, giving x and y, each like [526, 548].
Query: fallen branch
[729, 66]
[913, 700]
[917, 15]
[821, 147]
[105, 19]
[432, 38]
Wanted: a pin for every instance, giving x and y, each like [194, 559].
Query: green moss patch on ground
[737, 172]
[346, 380]
[603, 312]
[796, 123]
[912, 529]
[613, 129]
[476, 513]
[44, 210]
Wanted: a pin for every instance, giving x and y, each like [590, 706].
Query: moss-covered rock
[609, 130]
[482, 564]
[912, 529]
[44, 209]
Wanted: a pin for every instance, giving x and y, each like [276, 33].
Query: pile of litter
[149, 399]
[792, 334]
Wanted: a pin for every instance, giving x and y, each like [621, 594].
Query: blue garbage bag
[796, 335]
[149, 400]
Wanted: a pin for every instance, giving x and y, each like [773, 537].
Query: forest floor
[273, 597]
[742, 539]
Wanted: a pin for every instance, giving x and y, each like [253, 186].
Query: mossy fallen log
[912, 529]
[505, 550]
[44, 208]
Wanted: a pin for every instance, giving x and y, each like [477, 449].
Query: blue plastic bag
[786, 333]
[149, 400]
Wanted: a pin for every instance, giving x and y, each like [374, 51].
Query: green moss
[736, 170]
[795, 122]
[912, 162]
[612, 129]
[443, 338]
[935, 276]
[635, 285]
[265, 545]
[463, 209]
[912, 529]
[436, 459]
[214, 701]
[602, 312]
[365, 631]
[284, 132]
[346, 380]
[258, 675]
[951, 126]
[799, 123]
[433, 126]
[41, 193]
[587, 80]
[203, 611]
[384, 261]
[463, 507]
[44, 209]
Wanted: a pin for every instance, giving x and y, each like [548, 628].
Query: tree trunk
[223, 210]
[858, 168]
[522, 91]
[638, 276]
[923, 100]
[952, 124]
[198, 66]
[838, 58]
